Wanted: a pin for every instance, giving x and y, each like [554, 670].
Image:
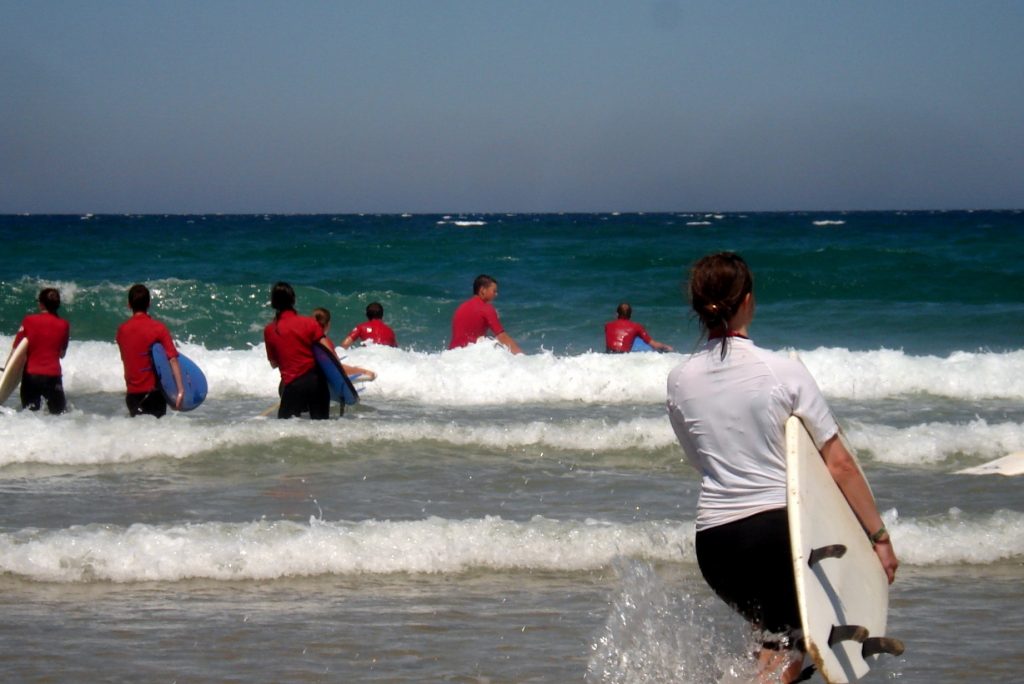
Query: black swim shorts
[748, 563]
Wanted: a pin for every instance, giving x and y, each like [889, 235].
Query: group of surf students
[301, 389]
[289, 341]
[727, 403]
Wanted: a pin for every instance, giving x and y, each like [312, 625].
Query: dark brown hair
[374, 310]
[718, 284]
[282, 298]
[138, 298]
[49, 297]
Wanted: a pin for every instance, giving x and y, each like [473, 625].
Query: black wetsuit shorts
[150, 403]
[35, 388]
[306, 393]
[748, 563]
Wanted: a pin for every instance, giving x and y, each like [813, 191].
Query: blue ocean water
[481, 516]
[925, 282]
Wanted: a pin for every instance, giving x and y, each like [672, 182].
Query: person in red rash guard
[373, 330]
[48, 335]
[477, 315]
[135, 338]
[620, 333]
[289, 339]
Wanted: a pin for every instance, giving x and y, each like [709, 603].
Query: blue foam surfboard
[641, 346]
[191, 377]
[341, 386]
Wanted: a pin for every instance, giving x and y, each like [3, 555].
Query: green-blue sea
[480, 516]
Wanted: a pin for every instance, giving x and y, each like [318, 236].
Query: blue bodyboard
[641, 346]
[191, 377]
[342, 388]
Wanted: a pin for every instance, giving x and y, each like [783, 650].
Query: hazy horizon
[469, 107]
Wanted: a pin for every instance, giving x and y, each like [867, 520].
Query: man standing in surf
[48, 335]
[135, 338]
[477, 315]
[289, 339]
[728, 404]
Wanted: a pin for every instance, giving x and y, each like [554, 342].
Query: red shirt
[290, 339]
[376, 331]
[48, 336]
[472, 320]
[620, 333]
[134, 338]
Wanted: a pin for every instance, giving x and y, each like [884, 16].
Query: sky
[143, 106]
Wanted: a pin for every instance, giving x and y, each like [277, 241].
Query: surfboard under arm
[842, 589]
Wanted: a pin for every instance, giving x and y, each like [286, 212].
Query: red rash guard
[134, 338]
[620, 333]
[472, 320]
[47, 336]
[290, 339]
[376, 331]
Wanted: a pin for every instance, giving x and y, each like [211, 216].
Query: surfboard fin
[830, 551]
[876, 645]
[847, 633]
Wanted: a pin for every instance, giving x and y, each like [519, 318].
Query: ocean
[479, 516]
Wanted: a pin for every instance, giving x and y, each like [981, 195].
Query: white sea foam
[269, 550]
[889, 373]
[462, 223]
[829, 223]
[80, 439]
[83, 439]
[264, 550]
[930, 443]
[956, 538]
[485, 374]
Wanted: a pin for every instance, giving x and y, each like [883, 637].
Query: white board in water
[840, 582]
[1009, 465]
[13, 370]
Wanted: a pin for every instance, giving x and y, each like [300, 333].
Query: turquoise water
[481, 516]
[923, 282]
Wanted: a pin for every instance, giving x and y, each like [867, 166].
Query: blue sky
[560, 105]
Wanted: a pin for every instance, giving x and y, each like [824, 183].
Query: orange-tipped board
[842, 589]
[13, 370]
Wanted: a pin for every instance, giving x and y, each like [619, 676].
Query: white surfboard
[13, 370]
[1009, 465]
[841, 587]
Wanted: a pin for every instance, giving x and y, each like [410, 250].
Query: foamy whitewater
[481, 516]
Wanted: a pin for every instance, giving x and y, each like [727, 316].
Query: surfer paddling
[620, 334]
[728, 404]
[477, 315]
[374, 330]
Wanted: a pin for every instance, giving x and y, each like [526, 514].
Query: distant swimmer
[48, 335]
[134, 338]
[620, 333]
[289, 339]
[323, 317]
[477, 315]
[373, 330]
